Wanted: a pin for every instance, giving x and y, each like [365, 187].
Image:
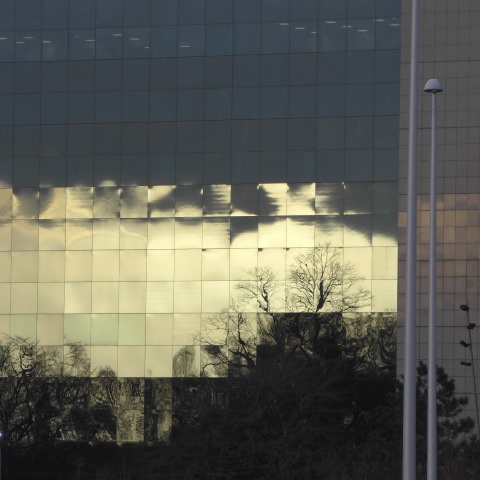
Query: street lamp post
[432, 86]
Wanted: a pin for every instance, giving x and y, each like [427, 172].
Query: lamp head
[464, 344]
[433, 86]
[464, 308]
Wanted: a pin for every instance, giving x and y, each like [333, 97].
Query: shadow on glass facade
[151, 151]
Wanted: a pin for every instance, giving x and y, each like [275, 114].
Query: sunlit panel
[5, 291]
[186, 329]
[188, 264]
[79, 202]
[215, 296]
[78, 266]
[244, 232]
[132, 297]
[158, 361]
[160, 265]
[159, 328]
[134, 202]
[131, 361]
[188, 233]
[103, 360]
[5, 266]
[161, 233]
[384, 262]
[77, 329]
[105, 265]
[24, 266]
[273, 259]
[244, 199]
[51, 266]
[187, 297]
[272, 232]
[215, 264]
[51, 298]
[24, 326]
[104, 329]
[384, 293]
[133, 265]
[301, 199]
[161, 201]
[358, 230]
[51, 235]
[6, 199]
[106, 234]
[186, 361]
[329, 198]
[188, 201]
[24, 298]
[79, 234]
[241, 261]
[25, 203]
[106, 202]
[78, 297]
[133, 234]
[50, 329]
[131, 329]
[360, 258]
[216, 232]
[300, 231]
[105, 297]
[24, 235]
[159, 297]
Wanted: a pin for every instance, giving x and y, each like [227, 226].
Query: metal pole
[410, 357]
[432, 313]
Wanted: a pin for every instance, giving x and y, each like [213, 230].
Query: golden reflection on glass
[384, 262]
[241, 261]
[272, 232]
[158, 361]
[159, 328]
[5, 266]
[24, 298]
[159, 297]
[79, 234]
[51, 266]
[358, 230]
[6, 199]
[186, 328]
[78, 297]
[106, 202]
[105, 265]
[244, 232]
[300, 231]
[105, 297]
[25, 235]
[132, 297]
[50, 329]
[215, 296]
[133, 265]
[104, 329]
[188, 201]
[329, 230]
[329, 198]
[131, 329]
[187, 297]
[76, 361]
[274, 259]
[160, 265]
[272, 199]
[106, 234]
[361, 260]
[24, 266]
[216, 232]
[161, 233]
[215, 264]
[24, 326]
[161, 201]
[79, 202]
[244, 199]
[5, 235]
[78, 266]
[76, 328]
[248, 304]
[133, 234]
[134, 202]
[25, 203]
[131, 361]
[358, 198]
[51, 235]
[216, 200]
[188, 233]
[51, 298]
[53, 203]
[5, 293]
[103, 360]
[384, 293]
[4, 327]
[188, 264]
[301, 199]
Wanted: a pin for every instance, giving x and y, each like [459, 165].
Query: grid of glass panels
[153, 150]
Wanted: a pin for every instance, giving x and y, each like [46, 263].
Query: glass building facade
[153, 150]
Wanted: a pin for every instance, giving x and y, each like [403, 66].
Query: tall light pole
[432, 86]
[410, 357]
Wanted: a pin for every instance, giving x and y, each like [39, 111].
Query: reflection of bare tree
[184, 361]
